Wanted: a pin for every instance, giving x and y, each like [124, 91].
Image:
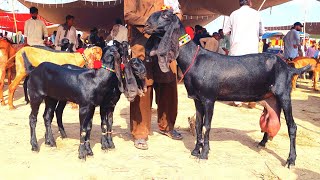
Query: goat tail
[28, 66]
[301, 70]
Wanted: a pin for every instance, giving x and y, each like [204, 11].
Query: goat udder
[270, 118]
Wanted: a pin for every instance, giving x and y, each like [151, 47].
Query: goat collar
[192, 62]
[81, 51]
[98, 64]
[184, 39]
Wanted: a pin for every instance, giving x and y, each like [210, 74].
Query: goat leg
[48, 116]
[25, 89]
[199, 125]
[206, 129]
[2, 77]
[12, 88]
[59, 111]
[87, 142]
[109, 128]
[85, 116]
[32, 123]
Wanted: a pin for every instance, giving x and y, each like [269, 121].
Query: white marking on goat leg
[204, 130]
[83, 134]
[104, 126]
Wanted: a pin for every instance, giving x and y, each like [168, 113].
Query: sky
[284, 14]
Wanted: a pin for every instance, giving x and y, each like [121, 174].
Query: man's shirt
[245, 27]
[35, 30]
[290, 39]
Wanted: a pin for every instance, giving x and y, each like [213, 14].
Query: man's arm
[57, 38]
[26, 26]
[227, 27]
[131, 16]
[296, 40]
[44, 31]
[261, 27]
[203, 42]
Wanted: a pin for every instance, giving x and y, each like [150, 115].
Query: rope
[193, 60]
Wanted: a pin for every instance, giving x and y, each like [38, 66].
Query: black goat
[112, 98]
[88, 88]
[134, 71]
[213, 77]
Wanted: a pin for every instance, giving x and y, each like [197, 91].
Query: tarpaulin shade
[102, 14]
[87, 14]
[271, 35]
[7, 21]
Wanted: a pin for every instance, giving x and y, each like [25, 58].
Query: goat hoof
[63, 134]
[82, 152]
[88, 149]
[3, 103]
[106, 145]
[12, 107]
[195, 152]
[261, 144]
[35, 148]
[110, 144]
[290, 163]
[51, 143]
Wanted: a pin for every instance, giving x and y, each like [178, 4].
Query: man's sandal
[172, 134]
[141, 144]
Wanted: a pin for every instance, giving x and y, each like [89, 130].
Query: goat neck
[186, 52]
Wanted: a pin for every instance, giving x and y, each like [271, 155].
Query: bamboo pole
[14, 17]
[262, 5]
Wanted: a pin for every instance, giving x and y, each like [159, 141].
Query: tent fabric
[102, 14]
[87, 14]
[7, 21]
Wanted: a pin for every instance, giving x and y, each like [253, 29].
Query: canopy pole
[304, 24]
[14, 17]
[262, 5]
[224, 20]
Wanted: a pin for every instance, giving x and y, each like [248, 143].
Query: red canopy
[7, 21]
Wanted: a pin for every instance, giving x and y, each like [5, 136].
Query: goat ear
[168, 48]
[117, 67]
[131, 90]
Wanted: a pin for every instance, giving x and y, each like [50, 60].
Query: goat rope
[193, 60]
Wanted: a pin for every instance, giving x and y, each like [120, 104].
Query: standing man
[136, 13]
[292, 42]
[35, 30]
[18, 38]
[53, 36]
[211, 43]
[66, 31]
[245, 27]
[224, 42]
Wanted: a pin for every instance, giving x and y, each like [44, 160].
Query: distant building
[312, 28]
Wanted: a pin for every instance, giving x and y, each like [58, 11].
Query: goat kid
[53, 83]
[210, 77]
[107, 107]
[37, 55]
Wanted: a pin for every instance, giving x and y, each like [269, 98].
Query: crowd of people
[239, 36]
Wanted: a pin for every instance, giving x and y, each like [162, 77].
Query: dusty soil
[234, 153]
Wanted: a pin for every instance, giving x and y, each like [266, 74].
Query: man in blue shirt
[292, 42]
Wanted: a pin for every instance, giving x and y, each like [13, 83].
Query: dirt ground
[234, 153]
